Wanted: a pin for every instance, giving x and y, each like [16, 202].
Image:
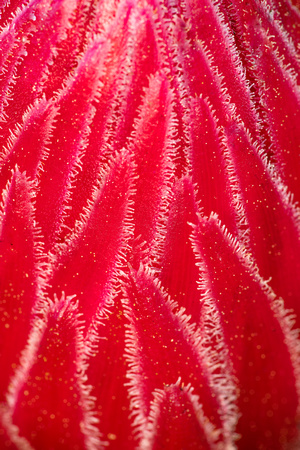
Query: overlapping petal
[149, 227]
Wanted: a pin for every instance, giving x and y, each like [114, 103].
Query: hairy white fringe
[63, 307]
[223, 386]
[285, 317]
[159, 396]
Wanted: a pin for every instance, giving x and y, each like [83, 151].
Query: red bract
[149, 224]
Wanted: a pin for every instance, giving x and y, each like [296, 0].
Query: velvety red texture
[149, 224]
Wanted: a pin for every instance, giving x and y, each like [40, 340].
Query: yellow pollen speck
[112, 436]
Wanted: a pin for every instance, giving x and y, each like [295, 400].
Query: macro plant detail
[150, 224]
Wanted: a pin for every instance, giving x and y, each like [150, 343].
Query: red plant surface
[150, 224]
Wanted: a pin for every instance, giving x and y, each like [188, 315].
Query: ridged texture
[150, 224]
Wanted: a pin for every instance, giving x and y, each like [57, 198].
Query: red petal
[107, 374]
[68, 139]
[161, 348]
[26, 146]
[281, 97]
[177, 421]
[87, 263]
[208, 165]
[289, 16]
[152, 150]
[208, 27]
[256, 18]
[273, 221]
[49, 21]
[257, 344]
[118, 102]
[19, 273]
[49, 403]
[174, 259]
[9, 438]
[68, 52]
